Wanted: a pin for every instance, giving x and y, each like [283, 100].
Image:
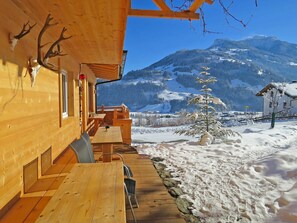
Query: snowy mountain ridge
[241, 67]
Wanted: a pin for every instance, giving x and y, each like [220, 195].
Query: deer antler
[51, 51]
[24, 31]
[13, 39]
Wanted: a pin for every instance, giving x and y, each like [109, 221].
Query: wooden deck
[155, 203]
[31, 204]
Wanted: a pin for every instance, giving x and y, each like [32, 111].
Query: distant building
[279, 96]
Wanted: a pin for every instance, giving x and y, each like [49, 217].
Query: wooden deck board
[19, 212]
[34, 214]
[155, 203]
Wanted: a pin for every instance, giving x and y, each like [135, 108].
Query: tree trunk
[272, 120]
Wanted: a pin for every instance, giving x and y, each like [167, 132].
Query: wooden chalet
[52, 54]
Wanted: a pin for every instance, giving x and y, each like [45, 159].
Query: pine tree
[204, 120]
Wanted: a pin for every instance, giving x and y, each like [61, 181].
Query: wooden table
[107, 138]
[90, 193]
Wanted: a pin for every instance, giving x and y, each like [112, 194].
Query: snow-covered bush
[204, 119]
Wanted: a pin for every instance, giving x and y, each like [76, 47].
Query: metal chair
[87, 139]
[130, 191]
[82, 152]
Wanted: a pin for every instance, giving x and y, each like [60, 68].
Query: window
[285, 104]
[271, 94]
[270, 104]
[64, 89]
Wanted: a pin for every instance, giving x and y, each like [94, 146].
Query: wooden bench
[28, 207]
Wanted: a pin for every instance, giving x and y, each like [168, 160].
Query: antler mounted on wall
[13, 39]
[54, 50]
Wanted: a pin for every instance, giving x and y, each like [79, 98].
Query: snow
[143, 81]
[231, 60]
[247, 179]
[292, 64]
[169, 67]
[289, 88]
[227, 59]
[171, 95]
[233, 51]
[163, 108]
[174, 86]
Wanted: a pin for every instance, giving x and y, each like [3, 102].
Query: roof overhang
[97, 28]
[265, 89]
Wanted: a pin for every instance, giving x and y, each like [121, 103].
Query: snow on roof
[290, 89]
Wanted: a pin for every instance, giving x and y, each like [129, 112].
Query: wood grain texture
[90, 193]
[30, 174]
[46, 160]
[155, 203]
[112, 135]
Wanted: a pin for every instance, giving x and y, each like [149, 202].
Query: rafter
[162, 5]
[166, 12]
[197, 4]
[161, 14]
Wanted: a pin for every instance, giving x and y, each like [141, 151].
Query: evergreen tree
[204, 120]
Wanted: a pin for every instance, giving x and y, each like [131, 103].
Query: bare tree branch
[185, 4]
[227, 12]
[205, 30]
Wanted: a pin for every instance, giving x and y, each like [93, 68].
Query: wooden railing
[118, 116]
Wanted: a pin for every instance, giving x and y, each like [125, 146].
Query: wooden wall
[30, 121]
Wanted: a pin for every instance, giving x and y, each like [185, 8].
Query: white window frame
[64, 93]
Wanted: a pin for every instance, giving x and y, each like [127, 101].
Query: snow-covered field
[248, 179]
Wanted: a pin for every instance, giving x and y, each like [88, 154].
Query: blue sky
[150, 39]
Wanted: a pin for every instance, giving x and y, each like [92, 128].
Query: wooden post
[92, 93]
[84, 112]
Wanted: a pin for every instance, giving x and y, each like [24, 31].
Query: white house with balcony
[279, 98]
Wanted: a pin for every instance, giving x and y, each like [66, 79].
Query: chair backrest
[127, 171]
[130, 185]
[87, 140]
[86, 137]
[82, 152]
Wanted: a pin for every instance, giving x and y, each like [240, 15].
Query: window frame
[64, 94]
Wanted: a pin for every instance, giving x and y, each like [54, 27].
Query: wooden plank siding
[29, 116]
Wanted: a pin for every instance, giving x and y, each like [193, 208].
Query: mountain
[241, 67]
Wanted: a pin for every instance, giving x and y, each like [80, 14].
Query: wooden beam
[162, 14]
[197, 4]
[162, 5]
